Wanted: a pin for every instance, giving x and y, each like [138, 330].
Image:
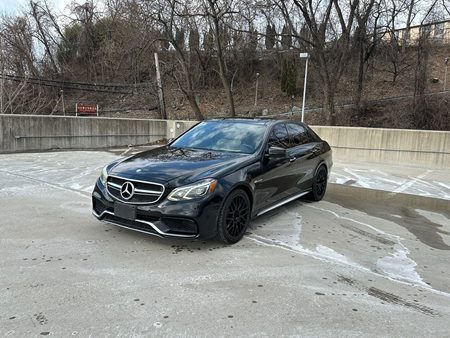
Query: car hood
[177, 166]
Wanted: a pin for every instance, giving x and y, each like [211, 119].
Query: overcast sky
[14, 6]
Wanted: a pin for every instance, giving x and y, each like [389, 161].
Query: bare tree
[361, 38]
[170, 15]
[420, 113]
[216, 11]
[330, 25]
[392, 47]
[42, 32]
[17, 39]
[411, 7]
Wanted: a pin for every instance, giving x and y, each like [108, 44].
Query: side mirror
[276, 152]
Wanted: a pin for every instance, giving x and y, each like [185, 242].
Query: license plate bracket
[125, 211]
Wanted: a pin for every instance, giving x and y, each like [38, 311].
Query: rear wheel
[234, 217]
[319, 185]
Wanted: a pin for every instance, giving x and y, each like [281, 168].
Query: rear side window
[298, 134]
[279, 137]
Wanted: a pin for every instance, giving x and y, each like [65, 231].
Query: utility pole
[162, 105]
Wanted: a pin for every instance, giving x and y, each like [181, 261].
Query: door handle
[292, 159]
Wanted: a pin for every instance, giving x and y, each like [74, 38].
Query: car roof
[252, 120]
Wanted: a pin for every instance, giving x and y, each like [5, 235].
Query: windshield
[237, 137]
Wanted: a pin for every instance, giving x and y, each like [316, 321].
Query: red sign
[82, 108]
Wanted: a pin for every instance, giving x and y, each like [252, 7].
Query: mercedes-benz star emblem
[127, 190]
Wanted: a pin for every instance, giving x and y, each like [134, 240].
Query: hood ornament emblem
[127, 190]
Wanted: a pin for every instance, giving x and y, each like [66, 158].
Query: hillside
[385, 103]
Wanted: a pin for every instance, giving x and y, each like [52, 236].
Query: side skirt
[279, 204]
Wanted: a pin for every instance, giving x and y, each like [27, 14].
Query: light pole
[62, 101]
[304, 56]
[447, 59]
[256, 91]
[2, 80]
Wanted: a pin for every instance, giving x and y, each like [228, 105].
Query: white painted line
[53, 185]
[410, 183]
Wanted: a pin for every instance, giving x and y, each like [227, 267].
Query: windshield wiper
[180, 149]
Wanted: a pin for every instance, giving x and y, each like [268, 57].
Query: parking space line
[410, 183]
[53, 185]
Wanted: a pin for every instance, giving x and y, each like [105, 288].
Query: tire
[319, 184]
[234, 217]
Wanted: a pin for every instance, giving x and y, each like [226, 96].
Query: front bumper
[187, 219]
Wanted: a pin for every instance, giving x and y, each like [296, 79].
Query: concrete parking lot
[363, 262]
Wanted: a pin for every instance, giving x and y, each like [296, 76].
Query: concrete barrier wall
[35, 132]
[176, 128]
[430, 149]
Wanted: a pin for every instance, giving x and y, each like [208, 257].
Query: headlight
[197, 190]
[104, 176]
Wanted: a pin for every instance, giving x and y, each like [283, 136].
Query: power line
[146, 84]
[74, 85]
[38, 83]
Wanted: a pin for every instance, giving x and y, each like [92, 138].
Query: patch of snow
[399, 266]
[332, 255]
[290, 242]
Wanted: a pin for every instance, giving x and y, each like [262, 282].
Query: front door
[276, 180]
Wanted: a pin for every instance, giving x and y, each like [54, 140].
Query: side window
[298, 134]
[279, 137]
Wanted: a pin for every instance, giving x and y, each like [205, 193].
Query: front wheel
[319, 184]
[234, 217]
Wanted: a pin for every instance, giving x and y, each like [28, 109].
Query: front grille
[144, 192]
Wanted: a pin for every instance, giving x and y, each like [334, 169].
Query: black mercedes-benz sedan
[213, 179]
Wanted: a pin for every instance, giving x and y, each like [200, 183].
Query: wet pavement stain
[420, 226]
[388, 208]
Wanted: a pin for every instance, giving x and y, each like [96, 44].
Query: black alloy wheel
[319, 185]
[234, 217]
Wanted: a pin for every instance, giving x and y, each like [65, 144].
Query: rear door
[304, 154]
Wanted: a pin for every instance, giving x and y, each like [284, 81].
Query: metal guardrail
[393, 150]
[347, 105]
